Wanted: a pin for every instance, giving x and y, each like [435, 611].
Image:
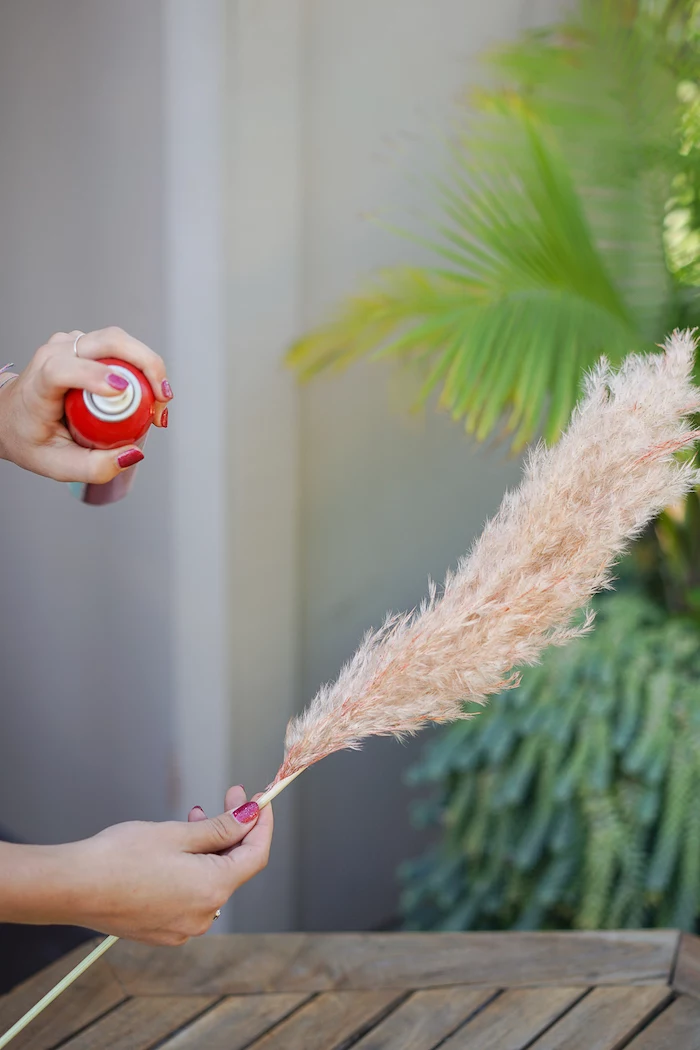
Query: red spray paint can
[110, 422]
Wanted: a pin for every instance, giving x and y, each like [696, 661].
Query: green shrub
[568, 224]
[572, 801]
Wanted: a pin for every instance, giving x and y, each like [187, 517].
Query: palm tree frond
[563, 202]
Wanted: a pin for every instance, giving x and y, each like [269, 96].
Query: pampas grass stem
[39, 1007]
[104, 946]
[539, 561]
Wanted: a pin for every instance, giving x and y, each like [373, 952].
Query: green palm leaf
[519, 305]
[549, 249]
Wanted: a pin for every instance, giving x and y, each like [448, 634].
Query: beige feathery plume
[537, 563]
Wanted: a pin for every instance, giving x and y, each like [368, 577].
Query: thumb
[217, 833]
[70, 462]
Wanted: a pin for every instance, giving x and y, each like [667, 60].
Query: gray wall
[84, 631]
[196, 171]
[388, 498]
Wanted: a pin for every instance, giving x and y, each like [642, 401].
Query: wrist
[7, 379]
[38, 884]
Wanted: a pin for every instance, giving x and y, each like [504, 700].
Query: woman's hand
[156, 883]
[164, 883]
[32, 433]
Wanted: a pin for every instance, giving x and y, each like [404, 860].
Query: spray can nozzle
[119, 406]
[96, 421]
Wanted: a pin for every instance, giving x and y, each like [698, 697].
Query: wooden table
[472, 991]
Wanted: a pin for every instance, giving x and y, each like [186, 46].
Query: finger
[235, 797]
[114, 342]
[161, 417]
[62, 372]
[70, 462]
[254, 851]
[222, 832]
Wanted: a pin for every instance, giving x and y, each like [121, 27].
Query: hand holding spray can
[95, 421]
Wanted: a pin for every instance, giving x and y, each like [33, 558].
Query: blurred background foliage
[572, 801]
[568, 226]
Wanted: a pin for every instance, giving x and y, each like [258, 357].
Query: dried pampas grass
[537, 563]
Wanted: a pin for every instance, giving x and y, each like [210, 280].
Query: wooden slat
[514, 1019]
[328, 1021]
[236, 1022]
[686, 976]
[606, 1019]
[240, 964]
[425, 1019]
[140, 1023]
[677, 1028]
[93, 994]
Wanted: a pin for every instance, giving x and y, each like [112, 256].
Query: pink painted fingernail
[117, 382]
[164, 419]
[127, 459]
[246, 813]
[166, 388]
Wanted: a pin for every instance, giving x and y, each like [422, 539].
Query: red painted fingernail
[164, 419]
[127, 459]
[166, 388]
[197, 807]
[245, 813]
[117, 382]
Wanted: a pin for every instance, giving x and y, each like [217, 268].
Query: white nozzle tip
[115, 403]
[120, 405]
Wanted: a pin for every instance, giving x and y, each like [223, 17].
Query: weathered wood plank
[425, 1019]
[686, 976]
[327, 1021]
[236, 1022]
[139, 1024]
[677, 1028]
[514, 1019]
[92, 995]
[606, 1019]
[240, 964]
